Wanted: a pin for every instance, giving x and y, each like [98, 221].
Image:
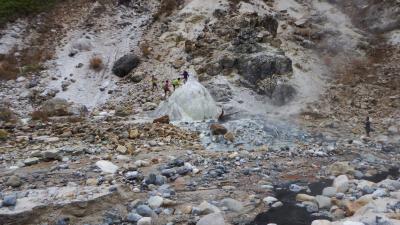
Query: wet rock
[232, 204]
[218, 129]
[125, 65]
[212, 219]
[144, 210]
[164, 119]
[107, 166]
[341, 183]
[14, 181]
[10, 200]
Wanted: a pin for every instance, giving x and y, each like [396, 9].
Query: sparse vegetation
[96, 63]
[13, 9]
[3, 134]
[7, 115]
[8, 67]
[40, 115]
[145, 49]
[167, 7]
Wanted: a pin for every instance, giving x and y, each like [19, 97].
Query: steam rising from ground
[191, 102]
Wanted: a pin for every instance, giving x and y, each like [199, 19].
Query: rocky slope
[292, 80]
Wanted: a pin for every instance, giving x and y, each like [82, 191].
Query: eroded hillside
[268, 129]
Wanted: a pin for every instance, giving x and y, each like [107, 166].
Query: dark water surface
[290, 213]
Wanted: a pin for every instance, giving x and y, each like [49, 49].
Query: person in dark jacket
[185, 76]
[367, 126]
[167, 89]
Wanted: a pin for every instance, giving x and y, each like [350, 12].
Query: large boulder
[261, 66]
[125, 65]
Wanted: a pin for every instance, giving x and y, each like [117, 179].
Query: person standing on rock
[367, 126]
[185, 76]
[167, 90]
[154, 83]
[176, 83]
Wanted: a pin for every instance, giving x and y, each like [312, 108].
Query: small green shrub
[7, 115]
[3, 134]
[13, 9]
[40, 115]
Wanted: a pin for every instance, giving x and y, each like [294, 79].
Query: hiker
[221, 116]
[154, 83]
[167, 90]
[367, 126]
[176, 83]
[185, 76]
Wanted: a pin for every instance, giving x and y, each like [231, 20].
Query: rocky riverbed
[270, 131]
